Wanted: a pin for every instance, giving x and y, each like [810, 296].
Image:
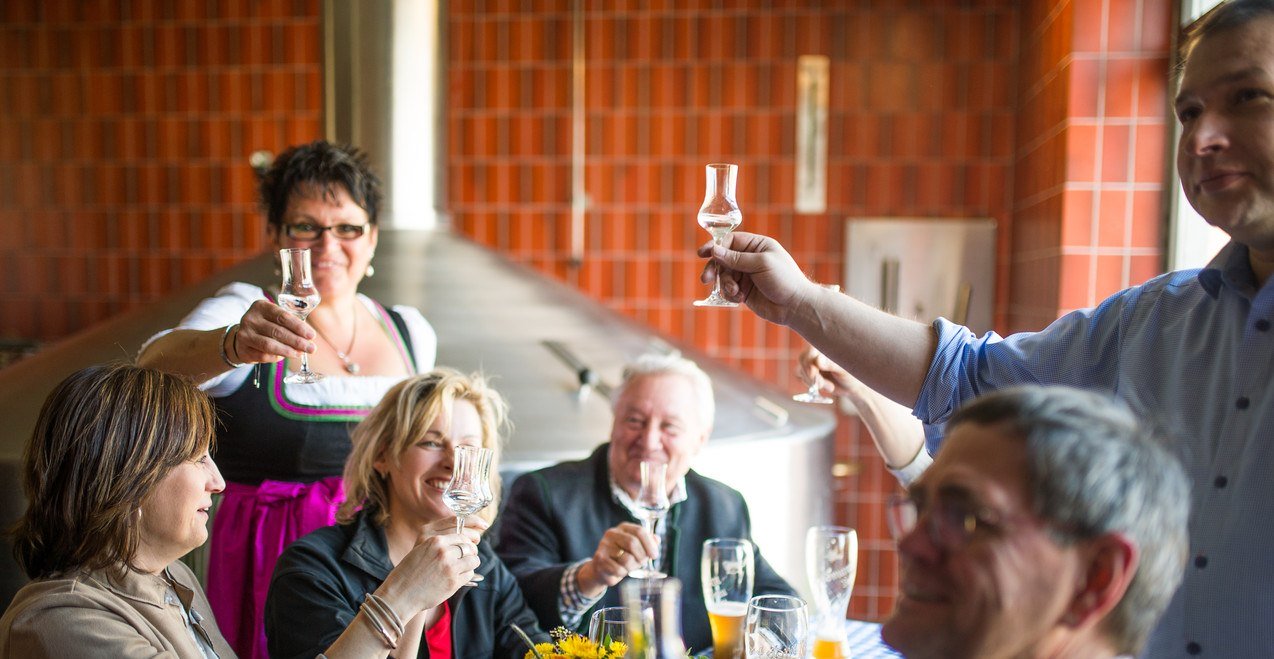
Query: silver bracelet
[385, 610]
[374, 617]
[221, 348]
[383, 619]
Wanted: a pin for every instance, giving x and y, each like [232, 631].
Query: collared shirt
[107, 613]
[1191, 352]
[573, 603]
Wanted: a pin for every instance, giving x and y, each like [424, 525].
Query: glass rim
[718, 165]
[793, 603]
[728, 541]
[834, 528]
[292, 250]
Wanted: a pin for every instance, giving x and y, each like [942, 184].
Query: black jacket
[320, 581]
[556, 516]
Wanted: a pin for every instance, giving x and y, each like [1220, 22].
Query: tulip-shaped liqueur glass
[719, 215]
[652, 504]
[470, 488]
[298, 296]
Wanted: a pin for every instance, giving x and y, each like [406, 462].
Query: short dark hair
[1224, 16]
[324, 168]
[106, 436]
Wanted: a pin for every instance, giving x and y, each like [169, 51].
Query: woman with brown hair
[393, 575]
[119, 482]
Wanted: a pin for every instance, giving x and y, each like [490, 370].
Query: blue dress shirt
[1191, 352]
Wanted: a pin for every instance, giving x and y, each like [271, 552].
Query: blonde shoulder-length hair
[400, 420]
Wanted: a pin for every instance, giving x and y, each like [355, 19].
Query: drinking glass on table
[609, 624]
[298, 296]
[654, 614]
[727, 570]
[719, 215]
[831, 563]
[776, 627]
[814, 395]
[652, 504]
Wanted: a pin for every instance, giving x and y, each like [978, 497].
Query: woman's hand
[439, 565]
[267, 333]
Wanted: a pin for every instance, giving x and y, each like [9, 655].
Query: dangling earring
[371, 269]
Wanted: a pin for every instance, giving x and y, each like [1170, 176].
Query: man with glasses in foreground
[1051, 524]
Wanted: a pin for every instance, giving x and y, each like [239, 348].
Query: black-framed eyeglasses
[950, 523]
[309, 231]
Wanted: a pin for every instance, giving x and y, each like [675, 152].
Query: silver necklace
[351, 366]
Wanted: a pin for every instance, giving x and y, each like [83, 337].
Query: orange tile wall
[125, 130]
[937, 109]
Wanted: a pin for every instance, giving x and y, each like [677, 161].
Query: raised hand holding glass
[298, 296]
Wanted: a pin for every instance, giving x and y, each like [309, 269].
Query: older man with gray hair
[1051, 524]
[569, 532]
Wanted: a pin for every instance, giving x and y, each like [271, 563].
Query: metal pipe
[578, 200]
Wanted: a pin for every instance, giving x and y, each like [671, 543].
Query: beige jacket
[92, 614]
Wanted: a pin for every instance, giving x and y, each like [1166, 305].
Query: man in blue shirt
[1190, 351]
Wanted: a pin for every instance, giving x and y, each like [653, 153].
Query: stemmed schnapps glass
[298, 296]
[652, 504]
[719, 215]
[831, 563]
[470, 488]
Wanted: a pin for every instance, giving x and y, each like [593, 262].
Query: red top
[438, 637]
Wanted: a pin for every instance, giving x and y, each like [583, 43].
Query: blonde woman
[393, 575]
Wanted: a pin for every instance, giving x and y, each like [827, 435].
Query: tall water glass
[719, 215]
[654, 614]
[777, 627]
[298, 296]
[609, 624]
[831, 563]
[727, 570]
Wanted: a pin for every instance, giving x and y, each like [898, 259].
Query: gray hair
[1094, 469]
[672, 364]
[1223, 17]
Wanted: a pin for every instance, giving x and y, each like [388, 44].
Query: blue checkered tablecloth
[864, 641]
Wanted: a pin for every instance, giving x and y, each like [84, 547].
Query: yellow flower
[545, 649]
[617, 649]
[578, 647]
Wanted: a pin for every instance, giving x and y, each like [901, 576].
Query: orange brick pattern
[1091, 154]
[125, 129]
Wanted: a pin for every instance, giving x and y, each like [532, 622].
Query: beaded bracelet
[222, 347]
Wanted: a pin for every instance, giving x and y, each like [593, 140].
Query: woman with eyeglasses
[118, 483]
[281, 446]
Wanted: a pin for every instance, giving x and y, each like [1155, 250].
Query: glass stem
[716, 283]
[305, 362]
[460, 523]
[650, 526]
